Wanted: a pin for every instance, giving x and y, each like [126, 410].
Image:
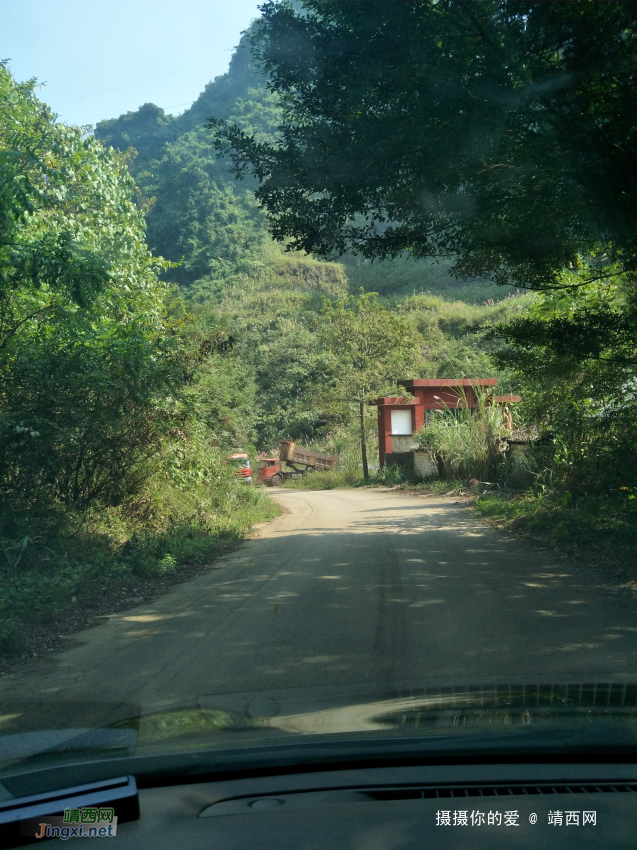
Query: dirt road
[348, 590]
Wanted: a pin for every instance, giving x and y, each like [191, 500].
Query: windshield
[388, 250]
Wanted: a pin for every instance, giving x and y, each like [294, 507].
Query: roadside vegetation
[590, 528]
[61, 572]
[112, 471]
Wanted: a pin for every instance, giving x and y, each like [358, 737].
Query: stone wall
[401, 444]
[414, 464]
[404, 453]
[405, 460]
[424, 466]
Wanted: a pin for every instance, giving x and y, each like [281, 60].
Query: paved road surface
[348, 591]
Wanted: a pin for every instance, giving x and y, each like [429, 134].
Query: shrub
[54, 564]
[466, 443]
[391, 474]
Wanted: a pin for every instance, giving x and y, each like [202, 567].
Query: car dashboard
[386, 808]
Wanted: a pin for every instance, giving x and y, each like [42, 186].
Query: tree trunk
[364, 442]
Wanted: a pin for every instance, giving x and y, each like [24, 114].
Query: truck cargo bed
[290, 452]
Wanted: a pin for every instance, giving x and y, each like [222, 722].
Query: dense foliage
[575, 353]
[108, 463]
[371, 348]
[500, 132]
[87, 366]
[497, 135]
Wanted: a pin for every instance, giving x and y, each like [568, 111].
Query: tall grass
[466, 443]
[345, 476]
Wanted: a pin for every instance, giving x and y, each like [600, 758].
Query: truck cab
[242, 467]
[269, 472]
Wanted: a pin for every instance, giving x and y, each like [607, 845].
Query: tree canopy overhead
[499, 132]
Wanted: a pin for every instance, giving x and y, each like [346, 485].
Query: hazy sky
[99, 58]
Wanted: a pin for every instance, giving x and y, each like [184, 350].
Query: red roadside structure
[399, 416]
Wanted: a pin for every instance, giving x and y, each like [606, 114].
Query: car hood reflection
[245, 720]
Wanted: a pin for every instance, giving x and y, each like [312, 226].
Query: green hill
[202, 217]
[233, 276]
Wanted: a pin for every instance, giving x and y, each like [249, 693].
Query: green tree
[499, 132]
[575, 352]
[198, 217]
[47, 245]
[292, 372]
[221, 390]
[371, 348]
[90, 361]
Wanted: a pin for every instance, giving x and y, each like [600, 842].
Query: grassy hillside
[266, 302]
[273, 309]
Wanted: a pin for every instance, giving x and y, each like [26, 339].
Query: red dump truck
[242, 468]
[298, 462]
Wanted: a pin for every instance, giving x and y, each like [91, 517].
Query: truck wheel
[276, 480]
